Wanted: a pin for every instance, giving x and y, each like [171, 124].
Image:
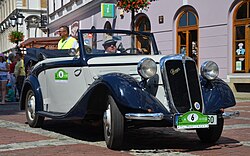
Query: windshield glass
[117, 43]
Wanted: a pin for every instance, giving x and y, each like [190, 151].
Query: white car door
[65, 86]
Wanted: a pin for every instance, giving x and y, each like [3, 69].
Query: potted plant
[133, 5]
[16, 36]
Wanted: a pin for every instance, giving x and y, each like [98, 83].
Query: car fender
[216, 95]
[32, 82]
[129, 95]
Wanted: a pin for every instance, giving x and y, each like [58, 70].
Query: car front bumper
[144, 116]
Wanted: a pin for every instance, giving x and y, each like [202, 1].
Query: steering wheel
[135, 51]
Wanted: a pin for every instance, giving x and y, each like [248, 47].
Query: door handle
[77, 72]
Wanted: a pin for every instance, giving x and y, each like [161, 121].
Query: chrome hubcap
[31, 106]
[107, 121]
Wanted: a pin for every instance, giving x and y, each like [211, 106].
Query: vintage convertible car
[132, 88]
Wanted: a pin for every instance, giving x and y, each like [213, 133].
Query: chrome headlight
[147, 68]
[209, 70]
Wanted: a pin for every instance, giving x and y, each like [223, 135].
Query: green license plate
[192, 119]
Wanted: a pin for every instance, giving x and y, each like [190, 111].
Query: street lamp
[20, 18]
[16, 20]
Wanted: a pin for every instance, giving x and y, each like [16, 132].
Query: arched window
[187, 34]
[241, 38]
[107, 25]
[142, 23]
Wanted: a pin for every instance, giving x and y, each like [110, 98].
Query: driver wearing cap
[110, 47]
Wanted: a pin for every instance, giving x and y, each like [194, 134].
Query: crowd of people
[12, 69]
[12, 75]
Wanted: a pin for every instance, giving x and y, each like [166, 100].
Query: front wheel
[33, 119]
[113, 123]
[211, 134]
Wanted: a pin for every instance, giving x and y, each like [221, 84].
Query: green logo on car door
[61, 75]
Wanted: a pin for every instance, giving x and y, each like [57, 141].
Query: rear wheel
[113, 122]
[211, 134]
[33, 119]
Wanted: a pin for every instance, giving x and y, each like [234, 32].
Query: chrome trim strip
[229, 115]
[186, 78]
[165, 81]
[144, 116]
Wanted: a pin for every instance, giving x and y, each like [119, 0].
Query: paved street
[65, 138]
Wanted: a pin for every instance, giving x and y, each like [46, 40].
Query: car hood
[131, 59]
[119, 64]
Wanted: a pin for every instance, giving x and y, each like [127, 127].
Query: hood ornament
[183, 54]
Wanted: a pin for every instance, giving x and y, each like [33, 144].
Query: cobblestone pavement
[67, 138]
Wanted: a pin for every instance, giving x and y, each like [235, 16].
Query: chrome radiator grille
[182, 85]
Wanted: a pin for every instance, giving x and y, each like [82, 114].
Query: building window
[187, 34]
[54, 5]
[241, 38]
[107, 25]
[142, 23]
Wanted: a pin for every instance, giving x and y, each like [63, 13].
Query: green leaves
[16, 36]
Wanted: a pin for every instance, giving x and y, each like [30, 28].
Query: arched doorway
[187, 34]
[142, 23]
[241, 38]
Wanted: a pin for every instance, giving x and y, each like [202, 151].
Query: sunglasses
[110, 44]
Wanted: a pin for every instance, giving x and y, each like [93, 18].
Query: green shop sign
[108, 10]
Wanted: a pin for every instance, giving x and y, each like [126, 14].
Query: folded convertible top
[35, 55]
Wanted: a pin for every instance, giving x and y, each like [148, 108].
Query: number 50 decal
[212, 119]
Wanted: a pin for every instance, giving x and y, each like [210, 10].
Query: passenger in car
[110, 46]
